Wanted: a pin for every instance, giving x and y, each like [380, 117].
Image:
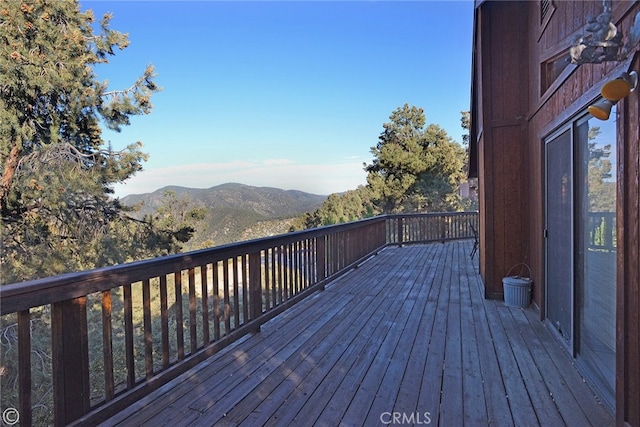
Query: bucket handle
[521, 263]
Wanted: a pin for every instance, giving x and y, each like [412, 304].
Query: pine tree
[338, 208]
[415, 168]
[56, 172]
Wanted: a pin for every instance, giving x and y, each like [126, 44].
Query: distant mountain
[235, 211]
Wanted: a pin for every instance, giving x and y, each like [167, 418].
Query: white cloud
[287, 174]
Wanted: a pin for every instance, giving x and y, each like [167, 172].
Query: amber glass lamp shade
[616, 89]
[619, 88]
[612, 92]
[601, 109]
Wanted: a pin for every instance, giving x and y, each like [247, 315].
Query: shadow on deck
[406, 338]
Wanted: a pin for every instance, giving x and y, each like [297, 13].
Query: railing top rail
[46, 290]
[432, 214]
[24, 295]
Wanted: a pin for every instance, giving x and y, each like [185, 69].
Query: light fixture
[617, 89]
[612, 92]
[601, 109]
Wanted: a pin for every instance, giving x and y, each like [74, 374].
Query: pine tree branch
[115, 93]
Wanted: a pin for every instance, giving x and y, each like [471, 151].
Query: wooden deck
[406, 338]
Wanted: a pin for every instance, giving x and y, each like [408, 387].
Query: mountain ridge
[235, 211]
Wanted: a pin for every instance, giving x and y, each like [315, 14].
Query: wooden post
[193, 326]
[321, 269]
[205, 304]
[255, 286]
[128, 335]
[24, 367]
[146, 321]
[164, 320]
[400, 231]
[107, 345]
[70, 360]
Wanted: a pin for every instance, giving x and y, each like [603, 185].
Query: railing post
[70, 362]
[321, 270]
[400, 230]
[255, 286]
[24, 368]
[382, 235]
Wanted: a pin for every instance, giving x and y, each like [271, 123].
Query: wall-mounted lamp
[601, 109]
[612, 92]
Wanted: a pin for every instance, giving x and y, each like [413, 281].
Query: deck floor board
[407, 334]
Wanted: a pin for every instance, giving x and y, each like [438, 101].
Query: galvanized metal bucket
[517, 289]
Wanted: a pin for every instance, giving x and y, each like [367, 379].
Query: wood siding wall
[502, 180]
[573, 90]
[511, 175]
[628, 294]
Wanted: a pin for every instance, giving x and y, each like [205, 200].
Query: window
[545, 7]
[551, 70]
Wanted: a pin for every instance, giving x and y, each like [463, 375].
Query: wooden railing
[112, 335]
[431, 227]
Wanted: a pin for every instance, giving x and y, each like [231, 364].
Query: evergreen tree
[465, 123]
[436, 189]
[338, 208]
[601, 187]
[415, 168]
[56, 172]
[178, 213]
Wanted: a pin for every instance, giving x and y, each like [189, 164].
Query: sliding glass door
[596, 248]
[581, 245]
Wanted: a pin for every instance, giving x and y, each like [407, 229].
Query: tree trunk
[8, 172]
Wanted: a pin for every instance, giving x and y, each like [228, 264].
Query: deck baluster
[24, 367]
[70, 359]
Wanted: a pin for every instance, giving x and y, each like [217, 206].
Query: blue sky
[286, 94]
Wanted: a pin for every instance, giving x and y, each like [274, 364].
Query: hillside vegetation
[232, 212]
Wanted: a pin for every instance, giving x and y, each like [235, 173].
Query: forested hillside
[232, 212]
